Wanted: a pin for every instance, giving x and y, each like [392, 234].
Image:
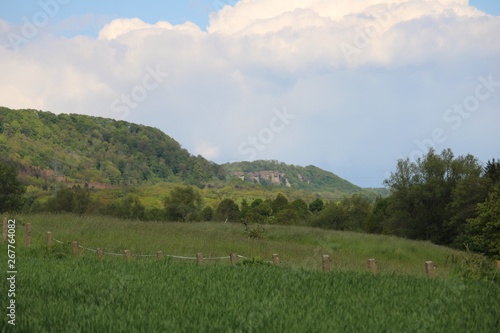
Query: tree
[428, 199]
[316, 205]
[227, 210]
[71, 200]
[182, 204]
[207, 213]
[11, 189]
[260, 211]
[279, 203]
[483, 232]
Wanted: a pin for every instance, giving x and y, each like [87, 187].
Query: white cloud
[409, 61]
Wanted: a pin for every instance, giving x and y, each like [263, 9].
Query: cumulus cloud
[366, 80]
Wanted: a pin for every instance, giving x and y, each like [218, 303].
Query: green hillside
[104, 153]
[50, 148]
[278, 173]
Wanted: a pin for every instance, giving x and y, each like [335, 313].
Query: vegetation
[11, 189]
[87, 165]
[298, 247]
[82, 295]
[78, 149]
[58, 292]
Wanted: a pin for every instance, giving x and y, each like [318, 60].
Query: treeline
[448, 200]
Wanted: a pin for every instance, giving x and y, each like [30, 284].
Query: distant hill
[309, 178]
[76, 149]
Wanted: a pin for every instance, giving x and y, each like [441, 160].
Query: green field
[56, 292]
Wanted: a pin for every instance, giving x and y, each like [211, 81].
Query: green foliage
[483, 232]
[207, 214]
[279, 203]
[309, 178]
[255, 232]
[351, 213]
[183, 204]
[93, 150]
[429, 196]
[128, 207]
[227, 210]
[70, 200]
[317, 205]
[474, 266]
[11, 189]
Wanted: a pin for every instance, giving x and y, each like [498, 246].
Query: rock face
[268, 176]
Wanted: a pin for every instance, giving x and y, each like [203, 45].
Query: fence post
[276, 259]
[28, 234]
[49, 239]
[127, 254]
[99, 253]
[234, 258]
[75, 248]
[326, 263]
[498, 264]
[429, 269]
[372, 265]
[159, 254]
[199, 258]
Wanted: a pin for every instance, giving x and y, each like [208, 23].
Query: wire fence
[126, 253]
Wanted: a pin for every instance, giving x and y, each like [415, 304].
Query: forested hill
[76, 148]
[309, 178]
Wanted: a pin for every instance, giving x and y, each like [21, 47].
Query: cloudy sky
[349, 86]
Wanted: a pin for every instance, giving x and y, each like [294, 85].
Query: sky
[348, 86]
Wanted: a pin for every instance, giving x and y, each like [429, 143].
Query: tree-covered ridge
[297, 177]
[78, 148]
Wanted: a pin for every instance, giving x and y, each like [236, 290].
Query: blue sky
[151, 11]
[349, 86]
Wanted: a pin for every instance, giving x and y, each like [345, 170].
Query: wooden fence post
[159, 255]
[276, 259]
[234, 258]
[128, 255]
[4, 230]
[75, 248]
[326, 263]
[429, 269]
[49, 240]
[372, 265]
[99, 253]
[28, 234]
[199, 258]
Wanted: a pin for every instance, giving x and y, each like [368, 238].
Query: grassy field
[298, 247]
[57, 292]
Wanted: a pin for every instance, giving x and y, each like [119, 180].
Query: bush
[476, 267]
[256, 232]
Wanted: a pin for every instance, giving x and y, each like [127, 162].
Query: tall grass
[88, 295]
[298, 247]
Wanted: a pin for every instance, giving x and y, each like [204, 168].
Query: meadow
[58, 292]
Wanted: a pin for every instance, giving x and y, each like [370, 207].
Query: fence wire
[123, 254]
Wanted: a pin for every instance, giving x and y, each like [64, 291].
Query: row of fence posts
[372, 263]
